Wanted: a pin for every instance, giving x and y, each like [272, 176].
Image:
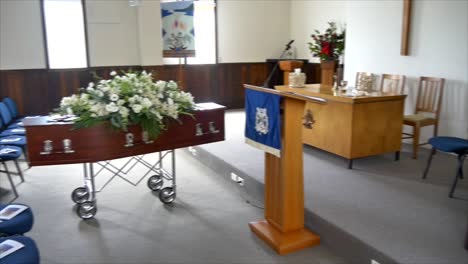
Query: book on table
[12, 210]
[9, 246]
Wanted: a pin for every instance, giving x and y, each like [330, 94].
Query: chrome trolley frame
[85, 196]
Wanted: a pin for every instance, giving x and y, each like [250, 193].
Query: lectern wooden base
[283, 227]
[284, 243]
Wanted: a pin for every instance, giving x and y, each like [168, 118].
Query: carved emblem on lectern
[261, 121]
[308, 119]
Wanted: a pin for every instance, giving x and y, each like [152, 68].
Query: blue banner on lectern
[262, 121]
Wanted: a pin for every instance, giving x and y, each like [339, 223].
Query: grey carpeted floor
[381, 202]
[207, 223]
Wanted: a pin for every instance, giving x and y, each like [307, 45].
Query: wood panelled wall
[39, 91]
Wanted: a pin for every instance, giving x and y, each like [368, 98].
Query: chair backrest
[2, 126]
[364, 81]
[430, 93]
[5, 114]
[11, 106]
[392, 83]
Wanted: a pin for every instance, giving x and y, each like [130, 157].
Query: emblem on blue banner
[261, 121]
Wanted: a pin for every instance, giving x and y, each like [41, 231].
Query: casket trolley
[53, 142]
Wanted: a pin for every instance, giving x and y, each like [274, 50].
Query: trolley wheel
[86, 210]
[155, 182]
[80, 195]
[167, 195]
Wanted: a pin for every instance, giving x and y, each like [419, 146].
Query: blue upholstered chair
[454, 145]
[13, 229]
[18, 225]
[29, 254]
[6, 117]
[11, 105]
[11, 153]
[5, 132]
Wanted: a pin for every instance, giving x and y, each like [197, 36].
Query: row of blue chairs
[14, 229]
[12, 139]
[12, 146]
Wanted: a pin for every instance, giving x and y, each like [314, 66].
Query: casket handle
[212, 127]
[199, 130]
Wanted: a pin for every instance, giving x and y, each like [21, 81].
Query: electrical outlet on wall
[237, 179]
[234, 176]
[240, 181]
[193, 151]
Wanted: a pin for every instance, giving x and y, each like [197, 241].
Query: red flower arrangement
[330, 45]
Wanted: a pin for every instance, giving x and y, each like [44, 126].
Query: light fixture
[133, 2]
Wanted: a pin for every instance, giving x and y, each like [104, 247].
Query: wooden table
[352, 127]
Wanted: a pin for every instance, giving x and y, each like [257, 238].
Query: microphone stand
[265, 84]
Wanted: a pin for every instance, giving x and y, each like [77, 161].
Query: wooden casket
[51, 143]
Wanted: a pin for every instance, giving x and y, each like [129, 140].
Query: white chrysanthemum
[113, 73]
[84, 97]
[172, 85]
[160, 84]
[137, 108]
[120, 102]
[114, 97]
[99, 93]
[91, 85]
[104, 88]
[146, 103]
[112, 107]
[69, 111]
[123, 111]
[65, 102]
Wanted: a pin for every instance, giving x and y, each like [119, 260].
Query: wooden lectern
[283, 227]
[288, 67]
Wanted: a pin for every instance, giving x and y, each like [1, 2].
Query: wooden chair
[392, 83]
[429, 100]
[364, 81]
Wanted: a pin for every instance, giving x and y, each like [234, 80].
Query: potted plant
[328, 46]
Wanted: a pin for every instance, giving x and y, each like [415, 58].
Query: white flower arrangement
[128, 99]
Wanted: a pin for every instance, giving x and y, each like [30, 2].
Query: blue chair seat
[13, 140]
[9, 155]
[455, 145]
[14, 125]
[449, 144]
[15, 131]
[29, 254]
[18, 225]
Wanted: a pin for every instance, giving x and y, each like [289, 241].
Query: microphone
[288, 46]
[267, 81]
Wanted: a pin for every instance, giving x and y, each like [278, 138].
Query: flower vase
[327, 69]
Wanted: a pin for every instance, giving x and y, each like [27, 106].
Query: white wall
[149, 29]
[306, 16]
[248, 31]
[252, 31]
[21, 38]
[112, 33]
[438, 48]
